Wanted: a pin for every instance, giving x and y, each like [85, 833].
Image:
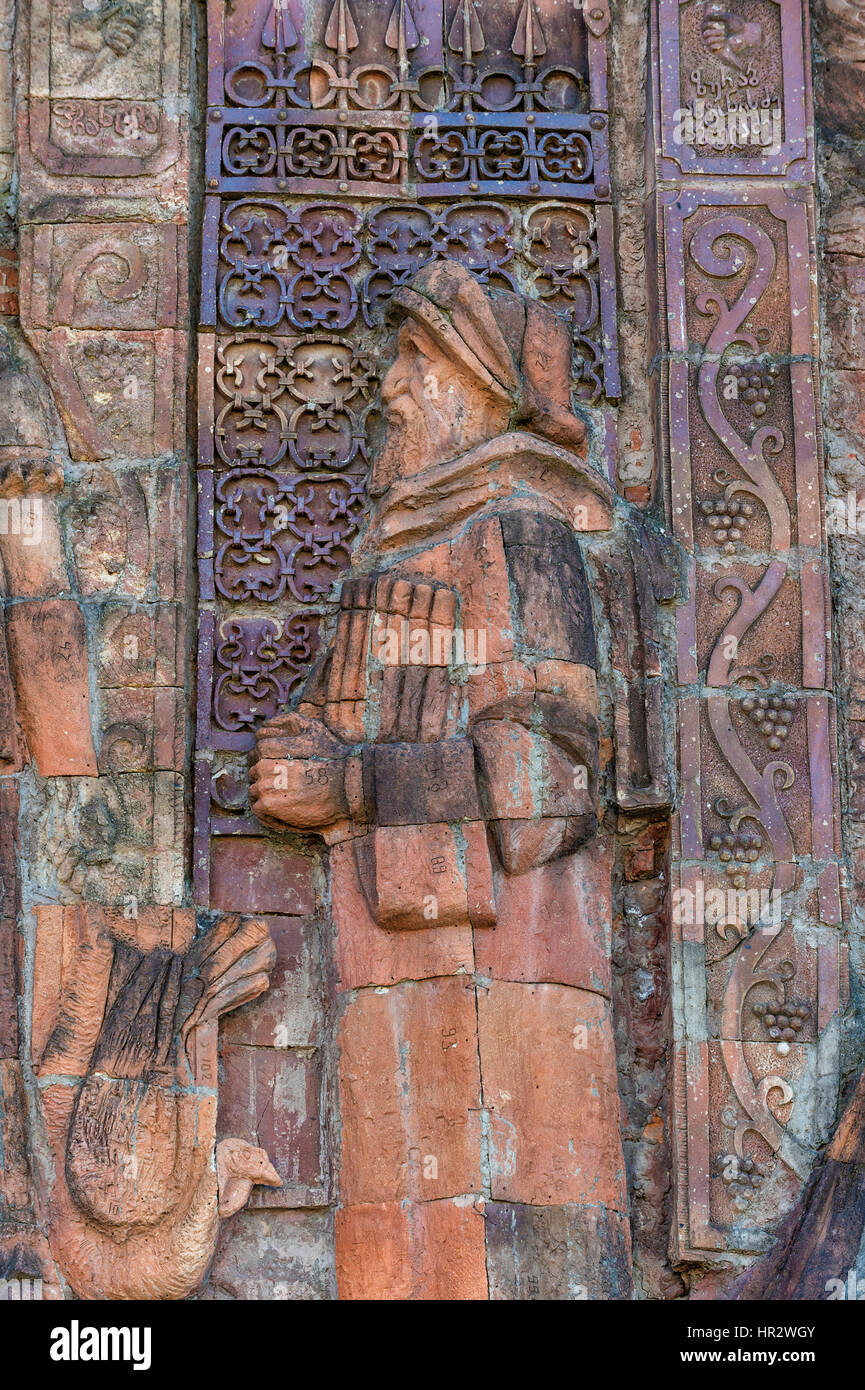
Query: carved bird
[138, 1189]
[239, 1168]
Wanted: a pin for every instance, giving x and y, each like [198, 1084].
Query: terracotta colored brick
[367, 955]
[644, 856]
[410, 1250]
[47, 975]
[550, 923]
[479, 874]
[69, 942]
[248, 874]
[638, 493]
[54, 706]
[409, 1093]
[548, 1064]
[840, 101]
[57, 163]
[573, 680]
[71, 280]
[409, 867]
[146, 926]
[140, 645]
[843, 306]
[497, 681]
[170, 530]
[9, 907]
[142, 729]
[8, 271]
[845, 405]
[92, 370]
[479, 560]
[34, 570]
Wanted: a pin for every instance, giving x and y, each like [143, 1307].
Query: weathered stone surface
[103, 110]
[254, 870]
[365, 955]
[17, 1196]
[133, 1034]
[120, 395]
[139, 645]
[555, 1252]
[290, 1013]
[473, 873]
[113, 839]
[410, 1093]
[411, 1250]
[547, 924]
[549, 1080]
[105, 275]
[273, 1099]
[274, 1255]
[10, 896]
[53, 706]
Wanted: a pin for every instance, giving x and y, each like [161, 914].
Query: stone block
[548, 1065]
[411, 1250]
[410, 1093]
[274, 1256]
[249, 874]
[272, 1098]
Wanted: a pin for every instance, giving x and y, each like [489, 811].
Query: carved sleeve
[526, 769]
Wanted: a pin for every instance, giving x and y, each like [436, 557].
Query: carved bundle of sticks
[389, 677]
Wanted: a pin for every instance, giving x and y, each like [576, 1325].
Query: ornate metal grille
[349, 142]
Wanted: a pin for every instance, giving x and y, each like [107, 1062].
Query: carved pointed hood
[518, 349]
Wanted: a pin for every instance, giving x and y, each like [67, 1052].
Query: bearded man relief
[451, 743]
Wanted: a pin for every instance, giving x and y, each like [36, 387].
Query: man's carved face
[433, 409]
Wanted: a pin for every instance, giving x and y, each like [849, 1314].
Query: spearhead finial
[466, 36]
[341, 34]
[278, 32]
[529, 42]
[402, 34]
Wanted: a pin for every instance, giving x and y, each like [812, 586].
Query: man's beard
[406, 448]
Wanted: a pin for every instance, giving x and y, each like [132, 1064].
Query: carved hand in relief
[298, 776]
[113, 25]
[728, 35]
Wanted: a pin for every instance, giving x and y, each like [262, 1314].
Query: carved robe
[471, 865]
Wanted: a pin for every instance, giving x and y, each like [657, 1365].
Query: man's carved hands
[119, 28]
[110, 30]
[728, 35]
[298, 774]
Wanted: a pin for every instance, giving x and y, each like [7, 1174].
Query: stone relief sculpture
[125, 1011]
[127, 1083]
[452, 732]
[481, 742]
[52, 701]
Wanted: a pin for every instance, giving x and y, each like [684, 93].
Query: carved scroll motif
[756, 892]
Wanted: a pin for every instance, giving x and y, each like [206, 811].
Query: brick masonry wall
[102, 202]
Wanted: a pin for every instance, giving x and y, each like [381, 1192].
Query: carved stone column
[758, 944]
